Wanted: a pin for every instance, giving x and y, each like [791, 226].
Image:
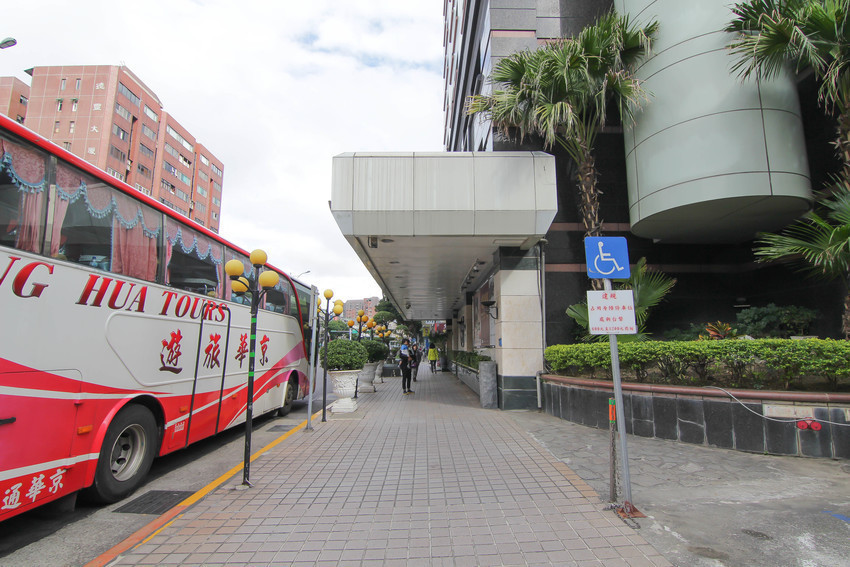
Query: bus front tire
[125, 458]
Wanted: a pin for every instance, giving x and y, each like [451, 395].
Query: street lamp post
[337, 309]
[258, 287]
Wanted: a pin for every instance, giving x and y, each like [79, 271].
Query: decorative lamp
[258, 258]
[269, 279]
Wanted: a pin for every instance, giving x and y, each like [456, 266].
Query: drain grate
[154, 502]
[281, 428]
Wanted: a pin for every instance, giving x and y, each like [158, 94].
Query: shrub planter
[773, 422]
[367, 377]
[344, 383]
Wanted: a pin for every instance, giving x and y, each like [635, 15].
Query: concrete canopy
[427, 225]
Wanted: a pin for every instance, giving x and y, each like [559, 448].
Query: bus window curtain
[134, 239]
[27, 169]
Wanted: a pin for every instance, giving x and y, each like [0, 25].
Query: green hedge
[344, 355]
[759, 363]
[468, 359]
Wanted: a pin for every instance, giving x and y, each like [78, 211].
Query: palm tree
[811, 34]
[819, 242]
[561, 93]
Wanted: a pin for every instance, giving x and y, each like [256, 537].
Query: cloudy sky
[274, 89]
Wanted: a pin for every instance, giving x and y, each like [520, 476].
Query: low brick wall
[481, 381]
[762, 422]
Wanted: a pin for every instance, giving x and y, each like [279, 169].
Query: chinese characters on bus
[37, 485]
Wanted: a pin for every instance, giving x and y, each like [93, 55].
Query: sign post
[612, 312]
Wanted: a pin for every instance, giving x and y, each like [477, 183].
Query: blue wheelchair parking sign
[607, 257]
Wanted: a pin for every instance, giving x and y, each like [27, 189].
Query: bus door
[210, 368]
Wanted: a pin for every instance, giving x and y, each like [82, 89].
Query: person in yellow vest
[432, 357]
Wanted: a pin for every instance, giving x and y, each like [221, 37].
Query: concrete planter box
[481, 381]
[759, 422]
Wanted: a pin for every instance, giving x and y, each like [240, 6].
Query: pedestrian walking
[415, 358]
[404, 355]
[432, 357]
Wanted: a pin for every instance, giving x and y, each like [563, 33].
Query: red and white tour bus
[122, 340]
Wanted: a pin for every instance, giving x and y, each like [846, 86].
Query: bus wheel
[287, 400]
[126, 455]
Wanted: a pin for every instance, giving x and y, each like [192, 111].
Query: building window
[20, 119]
[200, 208]
[129, 94]
[74, 104]
[201, 191]
[166, 203]
[216, 186]
[215, 169]
[214, 215]
[181, 195]
[166, 186]
[144, 171]
[56, 127]
[151, 114]
[171, 151]
[120, 132]
[199, 221]
[204, 160]
[58, 105]
[67, 145]
[122, 112]
[203, 175]
[62, 85]
[184, 178]
[117, 154]
[184, 160]
[176, 135]
[143, 189]
[24, 100]
[146, 151]
[78, 84]
[216, 202]
[148, 132]
[169, 168]
[115, 174]
[71, 127]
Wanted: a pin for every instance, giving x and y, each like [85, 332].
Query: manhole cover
[154, 502]
[281, 428]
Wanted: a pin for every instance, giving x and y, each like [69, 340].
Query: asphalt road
[61, 535]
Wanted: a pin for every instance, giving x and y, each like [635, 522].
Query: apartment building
[106, 115]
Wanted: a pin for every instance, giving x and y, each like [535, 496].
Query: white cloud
[273, 89]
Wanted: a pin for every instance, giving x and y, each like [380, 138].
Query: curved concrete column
[710, 158]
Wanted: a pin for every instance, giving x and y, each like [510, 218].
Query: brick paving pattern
[424, 479]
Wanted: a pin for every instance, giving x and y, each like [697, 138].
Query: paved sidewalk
[710, 507]
[424, 479]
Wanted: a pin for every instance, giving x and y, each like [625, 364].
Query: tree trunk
[842, 144]
[589, 199]
[589, 202]
[845, 317]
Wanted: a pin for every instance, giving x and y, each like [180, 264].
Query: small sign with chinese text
[611, 312]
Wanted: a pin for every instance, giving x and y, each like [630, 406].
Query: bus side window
[278, 298]
[193, 261]
[22, 196]
[101, 227]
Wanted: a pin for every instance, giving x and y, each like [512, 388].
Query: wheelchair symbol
[606, 260]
